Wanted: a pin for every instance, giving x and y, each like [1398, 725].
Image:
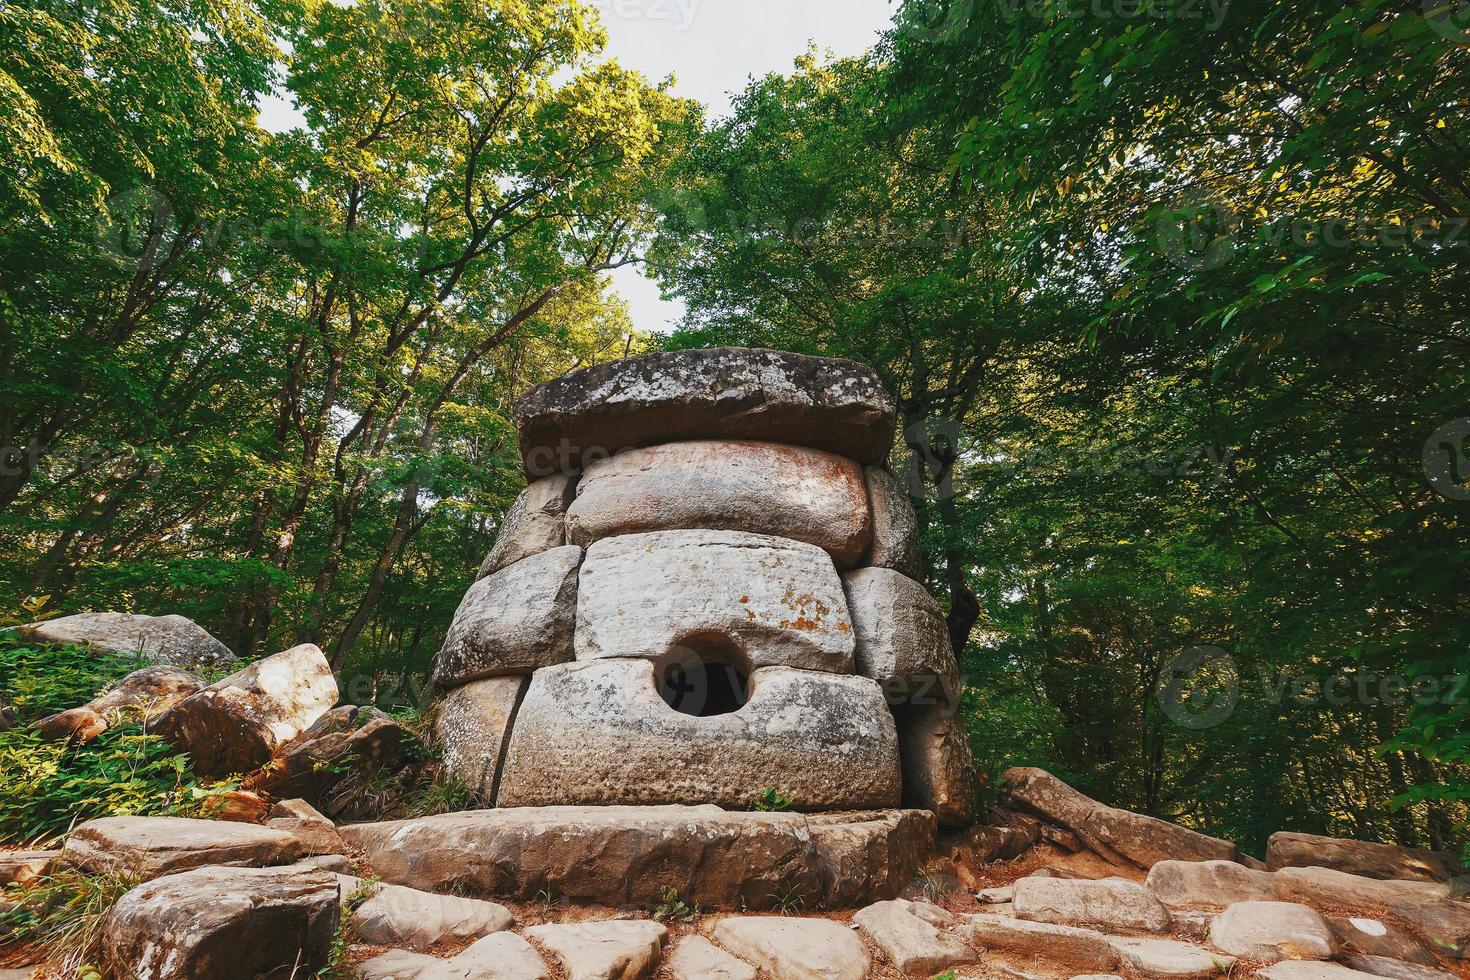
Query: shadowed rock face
[727, 393]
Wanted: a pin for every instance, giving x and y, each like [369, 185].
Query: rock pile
[707, 592]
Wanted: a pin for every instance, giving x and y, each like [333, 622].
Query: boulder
[1209, 884]
[501, 956]
[142, 695]
[536, 522]
[1165, 959]
[236, 725]
[599, 733]
[902, 641]
[1308, 970]
[1370, 860]
[1034, 943]
[1273, 931]
[726, 393]
[914, 946]
[616, 950]
[225, 924]
[392, 915]
[150, 847]
[696, 958]
[1375, 938]
[895, 525]
[1382, 966]
[1111, 904]
[171, 640]
[1425, 906]
[301, 820]
[756, 487]
[1141, 840]
[938, 766]
[24, 867]
[345, 740]
[620, 855]
[514, 621]
[472, 729]
[795, 949]
[759, 600]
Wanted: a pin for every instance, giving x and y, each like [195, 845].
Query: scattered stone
[23, 867]
[984, 844]
[1140, 839]
[727, 393]
[236, 725]
[150, 847]
[400, 964]
[798, 949]
[1370, 860]
[1165, 959]
[615, 950]
[696, 958]
[902, 640]
[502, 956]
[1371, 937]
[225, 924]
[756, 487]
[938, 766]
[1308, 970]
[335, 863]
[301, 820]
[996, 896]
[911, 943]
[345, 739]
[514, 621]
[406, 917]
[1109, 904]
[1042, 942]
[762, 600]
[142, 695]
[895, 525]
[536, 522]
[1382, 966]
[1273, 931]
[171, 640]
[472, 728]
[1209, 884]
[598, 732]
[615, 855]
[1192, 923]
[1426, 906]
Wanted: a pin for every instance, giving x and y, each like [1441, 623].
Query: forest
[1172, 297]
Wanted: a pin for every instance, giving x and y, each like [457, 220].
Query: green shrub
[40, 679]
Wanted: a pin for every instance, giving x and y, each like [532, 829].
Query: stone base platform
[626, 855]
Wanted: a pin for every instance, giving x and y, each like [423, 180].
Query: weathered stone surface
[144, 695]
[1140, 839]
[1382, 966]
[757, 487]
[150, 847]
[1041, 942]
[777, 602]
[795, 949]
[238, 724]
[536, 522]
[914, 946]
[902, 640]
[23, 867]
[617, 855]
[938, 765]
[1111, 904]
[1272, 931]
[515, 621]
[397, 916]
[171, 640]
[727, 393]
[895, 525]
[1426, 906]
[1361, 936]
[472, 728]
[1165, 959]
[599, 733]
[225, 924]
[616, 950]
[346, 739]
[1370, 860]
[1308, 970]
[501, 956]
[304, 822]
[696, 958]
[1209, 884]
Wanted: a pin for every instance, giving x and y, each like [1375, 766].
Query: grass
[64, 914]
[770, 800]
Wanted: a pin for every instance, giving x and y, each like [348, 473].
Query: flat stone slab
[795, 949]
[1111, 904]
[731, 485]
[598, 732]
[22, 867]
[150, 847]
[696, 958]
[776, 601]
[622, 855]
[502, 956]
[392, 915]
[725, 393]
[615, 950]
[1272, 931]
[1366, 858]
[914, 945]
[1209, 884]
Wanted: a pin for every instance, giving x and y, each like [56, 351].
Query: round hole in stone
[704, 675]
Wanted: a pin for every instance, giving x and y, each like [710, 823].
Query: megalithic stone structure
[707, 591]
